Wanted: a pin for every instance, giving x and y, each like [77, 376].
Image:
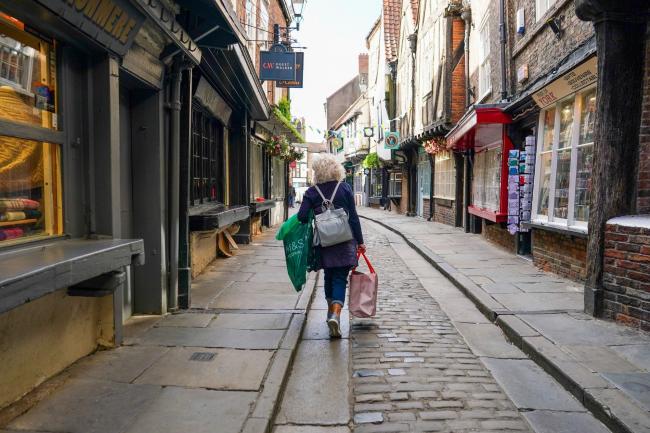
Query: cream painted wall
[479, 17]
[41, 338]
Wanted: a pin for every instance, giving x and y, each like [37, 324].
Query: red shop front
[482, 129]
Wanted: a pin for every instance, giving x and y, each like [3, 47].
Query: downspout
[432, 187]
[466, 16]
[174, 180]
[502, 42]
[413, 187]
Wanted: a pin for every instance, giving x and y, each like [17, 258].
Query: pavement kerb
[264, 412]
[480, 299]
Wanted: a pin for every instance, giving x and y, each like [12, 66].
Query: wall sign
[391, 140]
[277, 66]
[211, 100]
[298, 82]
[571, 82]
[113, 23]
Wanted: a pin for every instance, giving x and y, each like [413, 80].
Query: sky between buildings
[334, 32]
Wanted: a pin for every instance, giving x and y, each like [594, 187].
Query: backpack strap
[328, 203]
[335, 189]
[321, 195]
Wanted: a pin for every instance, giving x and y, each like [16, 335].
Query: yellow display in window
[27, 76]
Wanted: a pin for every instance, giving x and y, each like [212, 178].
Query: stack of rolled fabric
[12, 233]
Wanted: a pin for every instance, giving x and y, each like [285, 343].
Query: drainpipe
[502, 42]
[413, 189]
[432, 187]
[466, 16]
[185, 131]
[174, 180]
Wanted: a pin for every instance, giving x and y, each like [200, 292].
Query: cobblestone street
[412, 369]
[428, 361]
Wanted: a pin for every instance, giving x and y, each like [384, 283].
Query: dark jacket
[344, 254]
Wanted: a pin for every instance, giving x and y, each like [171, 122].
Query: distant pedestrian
[292, 196]
[336, 260]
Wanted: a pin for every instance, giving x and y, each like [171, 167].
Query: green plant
[371, 161]
[285, 108]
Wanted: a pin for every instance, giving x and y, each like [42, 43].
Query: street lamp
[298, 15]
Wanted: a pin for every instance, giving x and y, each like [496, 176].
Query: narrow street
[412, 368]
[428, 361]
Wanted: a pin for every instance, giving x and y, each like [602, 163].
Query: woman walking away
[336, 260]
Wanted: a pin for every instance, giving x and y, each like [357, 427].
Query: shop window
[487, 179]
[541, 7]
[445, 176]
[30, 171]
[565, 161]
[263, 30]
[278, 178]
[358, 182]
[376, 182]
[207, 169]
[27, 76]
[257, 170]
[395, 184]
[484, 79]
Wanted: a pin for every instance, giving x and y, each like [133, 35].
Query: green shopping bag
[297, 239]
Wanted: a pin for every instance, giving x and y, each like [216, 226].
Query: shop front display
[482, 131]
[30, 177]
[565, 161]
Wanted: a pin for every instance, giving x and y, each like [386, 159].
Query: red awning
[488, 121]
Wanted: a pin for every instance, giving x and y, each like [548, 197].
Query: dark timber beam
[621, 35]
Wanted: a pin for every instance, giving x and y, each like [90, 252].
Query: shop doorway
[424, 182]
[126, 193]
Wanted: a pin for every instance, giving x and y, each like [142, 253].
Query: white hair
[327, 168]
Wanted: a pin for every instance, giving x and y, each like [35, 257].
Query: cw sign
[277, 66]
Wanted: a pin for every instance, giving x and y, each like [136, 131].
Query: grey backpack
[331, 226]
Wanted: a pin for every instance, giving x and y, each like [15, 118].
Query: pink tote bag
[363, 291]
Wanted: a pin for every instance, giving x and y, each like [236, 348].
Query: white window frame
[541, 7]
[485, 70]
[251, 24]
[569, 223]
[263, 30]
[445, 176]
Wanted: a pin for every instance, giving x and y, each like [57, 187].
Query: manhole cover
[202, 356]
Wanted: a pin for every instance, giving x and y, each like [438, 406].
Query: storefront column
[184, 257]
[150, 201]
[620, 34]
[105, 127]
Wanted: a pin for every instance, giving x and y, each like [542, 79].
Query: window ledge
[218, 217]
[557, 228]
[35, 271]
[446, 202]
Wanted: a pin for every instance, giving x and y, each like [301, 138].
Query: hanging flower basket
[435, 145]
[294, 155]
[278, 145]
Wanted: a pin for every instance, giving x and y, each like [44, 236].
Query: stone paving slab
[195, 410]
[251, 321]
[122, 364]
[563, 422]
[212, 337]
[316, 392]
[546, 338]
[89, 406]
[228, 369]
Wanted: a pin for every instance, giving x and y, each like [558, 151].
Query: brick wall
[643, 198]
[458, 74]
[444, 211]
[561, 254]
[498, 235]
[539, 48]
[626, 277]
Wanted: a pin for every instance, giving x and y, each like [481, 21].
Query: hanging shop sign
[391, 140]
[571, 82]
[112, 23]
[298, 82]
[337, 144]
[277, 66]
[211, 100]
[368, 132]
